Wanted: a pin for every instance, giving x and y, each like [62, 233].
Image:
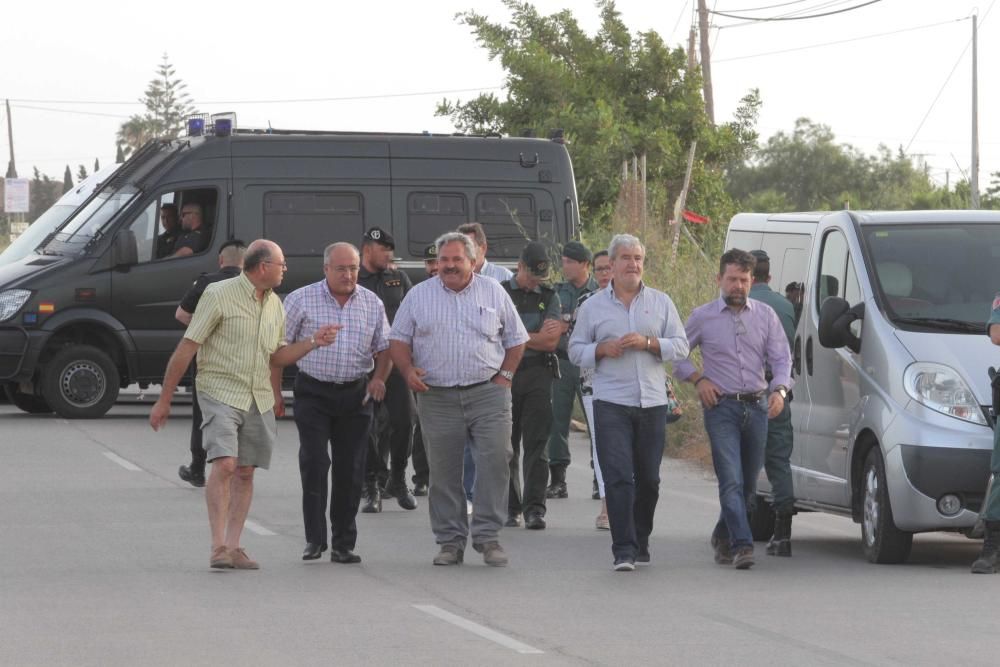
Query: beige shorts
[246, 435]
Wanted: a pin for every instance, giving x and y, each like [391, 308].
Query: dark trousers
[778, 460]
[531, 406]
[630, 442]
[333, 429]
[198, 455]
[421, 470]
[391, 437]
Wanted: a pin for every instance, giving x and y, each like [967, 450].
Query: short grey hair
[339, 244]
[451, 237]
[624, 241]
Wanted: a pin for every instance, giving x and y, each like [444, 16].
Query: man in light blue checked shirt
[457, 340]
[626, 332]
[334, 397]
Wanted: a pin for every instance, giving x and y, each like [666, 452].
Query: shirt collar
[326, 291]
[720, 305]
[475, 277]
[250, 288]
[610, 289]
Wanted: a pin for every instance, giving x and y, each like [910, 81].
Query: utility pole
[706, 61]
[974, 177]
[11, 169]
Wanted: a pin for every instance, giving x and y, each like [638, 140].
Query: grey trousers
[449, 418]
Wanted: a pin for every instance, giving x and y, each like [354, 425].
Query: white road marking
[257, 529]
[476, 629]
[125, 463]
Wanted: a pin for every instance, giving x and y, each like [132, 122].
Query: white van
[891, 408]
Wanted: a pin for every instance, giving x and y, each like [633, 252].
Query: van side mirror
[835, 317]
[124, 249]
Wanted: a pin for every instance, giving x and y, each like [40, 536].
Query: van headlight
[11, 301]
[940, 388]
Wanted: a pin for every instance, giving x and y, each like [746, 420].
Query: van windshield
[89, 223]
[940, 276]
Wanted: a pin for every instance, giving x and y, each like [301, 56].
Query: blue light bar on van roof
[224, 124]
[196, 127]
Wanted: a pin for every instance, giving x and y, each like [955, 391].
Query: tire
[762, 520]
[881, 540]
[30, 403]
[80, 382]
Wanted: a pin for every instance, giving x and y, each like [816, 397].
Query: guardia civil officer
[531, 391]
[989, 559]
[778, 447]
[577, 281]
[391, 436]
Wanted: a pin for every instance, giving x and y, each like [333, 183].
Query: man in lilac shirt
[738, 338]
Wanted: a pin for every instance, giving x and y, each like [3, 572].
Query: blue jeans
[630, 442]
[737, 432]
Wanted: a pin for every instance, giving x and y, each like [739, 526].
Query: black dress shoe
[534, 521]
[420, 488]
[313, 551]
[344, 556]
[192, 477]
[402, 495]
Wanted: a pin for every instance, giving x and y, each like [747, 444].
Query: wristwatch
[507, 375]
[782, 391]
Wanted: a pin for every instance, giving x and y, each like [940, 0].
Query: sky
[895, 72]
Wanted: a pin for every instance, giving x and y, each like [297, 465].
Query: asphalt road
[104, 561]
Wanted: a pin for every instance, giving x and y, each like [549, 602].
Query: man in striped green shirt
[238, 333]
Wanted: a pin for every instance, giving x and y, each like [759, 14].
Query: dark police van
[92, 310]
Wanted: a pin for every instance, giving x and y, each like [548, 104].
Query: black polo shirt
[196, 239]
[193, 295]
[390, 286]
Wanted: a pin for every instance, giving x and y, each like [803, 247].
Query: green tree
[616, 95]
[97, 165]
[43, 194]
[81, 173]
[67, 180]
[808, 170]
[119, 153]
[167, 104]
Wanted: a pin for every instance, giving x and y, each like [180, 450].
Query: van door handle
[809, 355]
[797, 356]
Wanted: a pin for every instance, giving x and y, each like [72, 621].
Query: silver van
[891, 407]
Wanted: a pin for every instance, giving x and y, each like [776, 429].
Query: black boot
[371, 498]
[989, 559]
[781, 542]
[396, 488]
[557, 489]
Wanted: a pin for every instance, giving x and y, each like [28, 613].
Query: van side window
[833, 267]
[159, 231]
[304, 223]
[431, 214]
[509, 220]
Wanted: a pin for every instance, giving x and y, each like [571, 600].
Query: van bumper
[947, 461]
[19, 350]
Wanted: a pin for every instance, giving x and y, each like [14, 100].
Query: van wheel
[80, 382]
[30, 403]
[762, 520]
[880, 539]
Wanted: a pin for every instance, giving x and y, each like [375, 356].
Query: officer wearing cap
[392, 433]
[778, 448]
[988, 561]
[431, 260]
[576, 259]
[531, 392]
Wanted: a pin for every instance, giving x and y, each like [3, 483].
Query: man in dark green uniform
[531, 391]
[577, 282]
[989, 559]
[778, 450]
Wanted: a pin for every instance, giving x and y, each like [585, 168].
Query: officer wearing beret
[989, 559]
[531, 391]
[578, 281]
[392, 433]
[778, 448]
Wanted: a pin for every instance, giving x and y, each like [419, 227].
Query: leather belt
[462, 387]
[339, 385]
[747, 397]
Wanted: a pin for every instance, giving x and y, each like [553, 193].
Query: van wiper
[944, 323]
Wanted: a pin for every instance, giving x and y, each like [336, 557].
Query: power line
[795, 18]
[72, 111]
[783, 4]
[839, 41]
[793, 13]
[278, 101]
